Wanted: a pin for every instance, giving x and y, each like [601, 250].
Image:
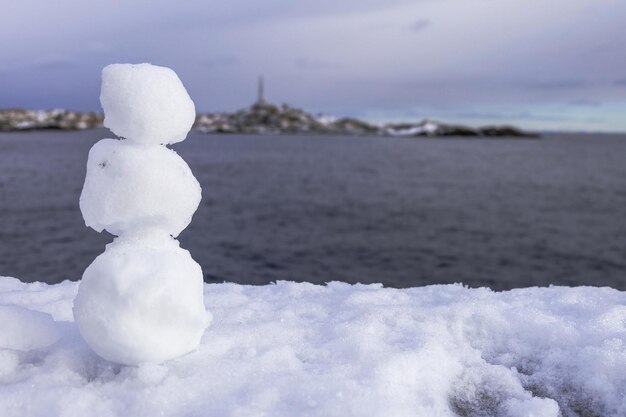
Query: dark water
[404, 212]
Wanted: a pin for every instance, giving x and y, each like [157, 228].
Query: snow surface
[146, 104]
[297, 349]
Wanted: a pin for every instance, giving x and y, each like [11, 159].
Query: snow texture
[146, 104]
[139, 285]
[295, 349]
[131, 187]
[24, 329]
[141, 300]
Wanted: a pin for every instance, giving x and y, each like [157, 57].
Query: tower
[261, 91]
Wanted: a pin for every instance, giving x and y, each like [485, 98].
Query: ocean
[502, 213]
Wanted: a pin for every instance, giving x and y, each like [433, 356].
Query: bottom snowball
[142, 302]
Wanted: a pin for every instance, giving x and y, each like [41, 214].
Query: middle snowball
[130, 186]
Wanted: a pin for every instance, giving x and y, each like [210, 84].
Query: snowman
[141, 301]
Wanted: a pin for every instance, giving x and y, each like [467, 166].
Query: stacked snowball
[141, 300]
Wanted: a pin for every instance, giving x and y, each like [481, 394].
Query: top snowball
[146, 104]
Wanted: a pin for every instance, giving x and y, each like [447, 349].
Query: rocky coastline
[22, 119]
[261, 118]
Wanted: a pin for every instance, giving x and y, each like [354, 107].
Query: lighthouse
[260, 91]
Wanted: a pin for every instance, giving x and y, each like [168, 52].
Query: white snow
[146, 103]
[131, 187]
[24, 329]
[426, 127]
[430, 127]
[326, 119]
[296, 349]
[140, 302]
[410, 131]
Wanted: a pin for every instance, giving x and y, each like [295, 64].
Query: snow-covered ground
[294, 349]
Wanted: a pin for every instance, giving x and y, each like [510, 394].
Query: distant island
[261, 118]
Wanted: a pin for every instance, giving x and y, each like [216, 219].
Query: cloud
[44, 63]
[556, 84]
[219, 61]
[585, 103]
[54, 63]
[98, 47]
[520, 115]
[314, 64]
[419, 25]
[352, 57]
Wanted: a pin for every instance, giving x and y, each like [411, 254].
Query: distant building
[261, 91]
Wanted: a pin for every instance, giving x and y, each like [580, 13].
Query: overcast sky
[543, 64]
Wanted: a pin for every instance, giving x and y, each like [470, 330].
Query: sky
[545, 65]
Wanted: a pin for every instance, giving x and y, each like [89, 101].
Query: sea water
[502, 213]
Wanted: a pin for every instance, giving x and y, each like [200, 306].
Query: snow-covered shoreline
[341, 350]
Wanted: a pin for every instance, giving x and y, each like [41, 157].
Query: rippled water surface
[404, 212]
